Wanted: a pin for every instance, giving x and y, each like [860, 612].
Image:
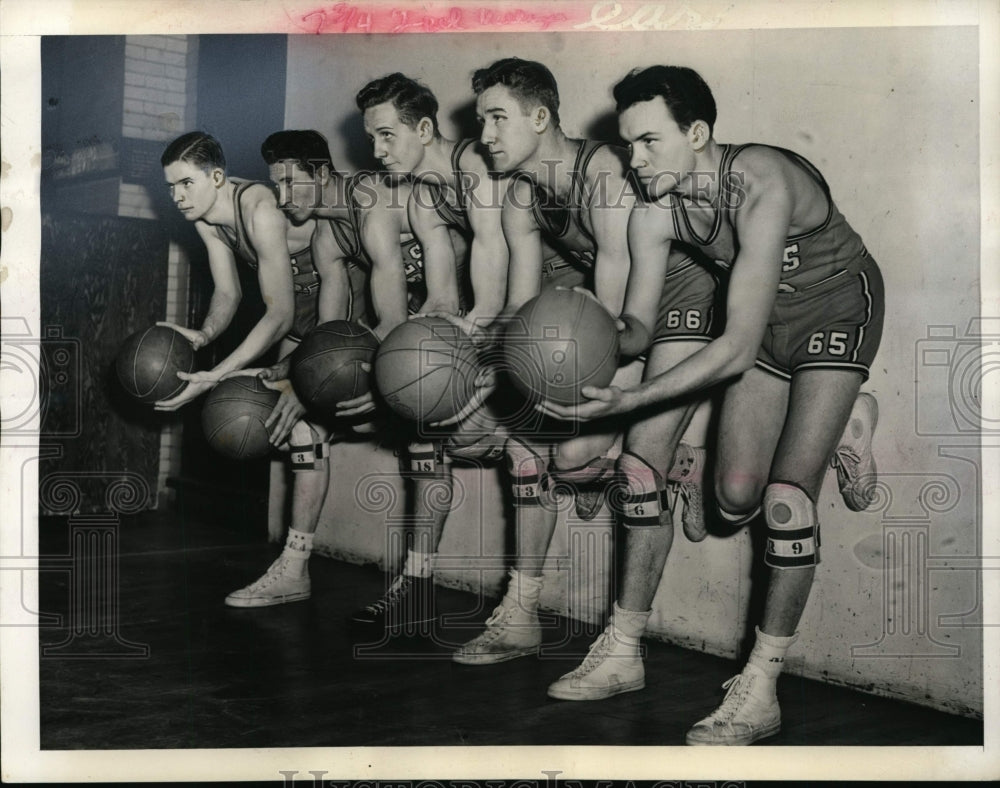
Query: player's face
[395, 145]
[192, 189]
[659, 152]
[298, 191]
[508, 132]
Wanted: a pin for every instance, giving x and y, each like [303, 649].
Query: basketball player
[573, 195]
[803, 323]
[316, 270]
[400, 118]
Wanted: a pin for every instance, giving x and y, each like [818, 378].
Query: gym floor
[181, 670]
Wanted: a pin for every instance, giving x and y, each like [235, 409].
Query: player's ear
[218, 177]
[425, 129]
[323, 174]
[698, 135]
[541, 119]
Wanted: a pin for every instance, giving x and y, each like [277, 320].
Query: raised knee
[738, 494]
[792, 527]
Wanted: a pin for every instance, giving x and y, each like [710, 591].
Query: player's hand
[359, 405]
[287, 410]
[597, 404]
[485, 385]
[480, 336]
[197, 338]
[197, 385]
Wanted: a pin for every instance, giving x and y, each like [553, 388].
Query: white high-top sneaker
[612, 666]
[749, 712]
[275, 587]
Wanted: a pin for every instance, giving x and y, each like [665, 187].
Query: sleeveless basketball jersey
[305, 279]
[454, 214]
[562, 224]
[829, 250]
[411, 253]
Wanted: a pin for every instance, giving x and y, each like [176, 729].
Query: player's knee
[642, 495]
[307, 447]
[792, 527]
[738, 494]
[477, 449]
[527, 473]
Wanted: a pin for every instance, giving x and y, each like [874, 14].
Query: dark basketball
[559, 342]
[233, 417]
[426, 369]
[326, 366]
[148, 363]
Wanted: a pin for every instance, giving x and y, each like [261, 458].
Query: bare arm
[649, 246]
[524, 241]
[610, 205]
[334, 286]
[762, 224]
[266, 229]
[440, 263]
[381, 225]
[489, 257]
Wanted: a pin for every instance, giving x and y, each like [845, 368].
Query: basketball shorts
[687, 304]
[835, 324]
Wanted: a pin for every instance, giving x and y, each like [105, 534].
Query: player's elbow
[282, 316]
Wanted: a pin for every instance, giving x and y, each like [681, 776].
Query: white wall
[891, 117]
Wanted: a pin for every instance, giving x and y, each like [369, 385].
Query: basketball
[426, 369]
[148, 363]
[326, 366]
[559, 342]
[233, 417]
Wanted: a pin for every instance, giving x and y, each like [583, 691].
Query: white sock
[629, 623]
[298, 548]
[768, 655]
[523, 592]
[419, 564]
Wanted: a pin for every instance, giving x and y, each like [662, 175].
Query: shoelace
[274, 571]
[397, 589]
[491, 632]
[599, 649]
[845, 458]
[738, 687]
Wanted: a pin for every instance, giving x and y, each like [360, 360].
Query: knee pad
[527, 473]
[599, 469]
[484, 448]
[424, 460]
[307, 447]
[643, 499]
[792, 527]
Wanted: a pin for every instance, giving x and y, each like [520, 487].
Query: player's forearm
[489, 283]
[334, 295]
[221, 309]
[719, 360]
[269, 330]
[388, 290]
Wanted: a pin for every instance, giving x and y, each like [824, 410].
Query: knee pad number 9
[792, 527]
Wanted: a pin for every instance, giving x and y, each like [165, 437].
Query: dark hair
[197, 148]
[530, 82]
[686, 95]
[412, 100]
[305, 146]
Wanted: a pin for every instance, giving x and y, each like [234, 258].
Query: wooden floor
[181, 670]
